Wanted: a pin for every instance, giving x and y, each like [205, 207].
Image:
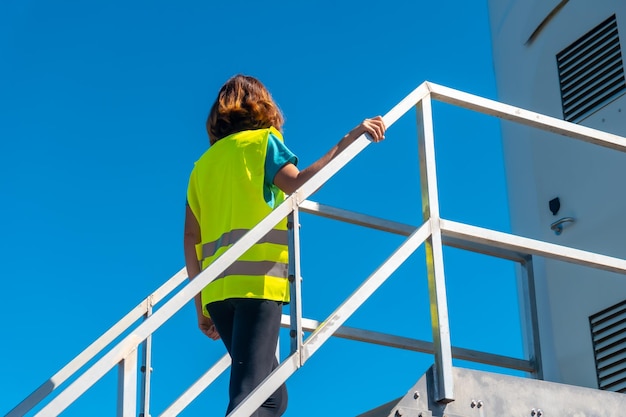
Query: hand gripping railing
[434, 232]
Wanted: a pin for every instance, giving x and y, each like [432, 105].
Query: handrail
[151, 324]
[527, 117]
[434, 232]
[115, 331]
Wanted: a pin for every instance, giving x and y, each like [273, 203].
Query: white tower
[564, 58]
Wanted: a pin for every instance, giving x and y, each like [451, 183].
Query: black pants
[249, 329]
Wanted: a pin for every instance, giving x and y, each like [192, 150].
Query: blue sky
[102, 110]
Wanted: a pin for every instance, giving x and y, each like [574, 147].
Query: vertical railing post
[146, 368]
[127, 385]
[444, 390]
[295, 282]
[529, 315]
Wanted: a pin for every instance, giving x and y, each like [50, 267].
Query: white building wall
[589, 180]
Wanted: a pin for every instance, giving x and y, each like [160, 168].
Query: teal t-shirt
[278, 155]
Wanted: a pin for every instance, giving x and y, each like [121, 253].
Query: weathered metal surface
[486, 394]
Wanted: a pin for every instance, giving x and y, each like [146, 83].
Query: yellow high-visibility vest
[225, 194]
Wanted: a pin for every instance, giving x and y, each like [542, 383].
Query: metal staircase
[120, 346]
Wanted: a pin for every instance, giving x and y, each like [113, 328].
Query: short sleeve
[277, 156]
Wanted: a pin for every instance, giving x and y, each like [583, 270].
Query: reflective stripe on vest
[254, 268]
[278, 237]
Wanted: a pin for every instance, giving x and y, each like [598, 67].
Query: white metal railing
[434, 233]
[143, 309]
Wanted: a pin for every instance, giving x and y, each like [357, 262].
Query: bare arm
[289, 178]
[192, 237]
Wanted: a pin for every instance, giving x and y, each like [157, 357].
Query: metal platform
[485, 394]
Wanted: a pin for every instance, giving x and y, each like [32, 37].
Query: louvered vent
[591, 71]
[608, 332]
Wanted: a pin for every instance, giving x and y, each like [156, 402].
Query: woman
[238, 181]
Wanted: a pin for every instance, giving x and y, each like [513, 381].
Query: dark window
[591, 71]
[608, 333]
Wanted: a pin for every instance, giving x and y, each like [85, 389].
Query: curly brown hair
[243, 103]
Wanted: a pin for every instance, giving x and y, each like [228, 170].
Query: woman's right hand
[375, 127]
